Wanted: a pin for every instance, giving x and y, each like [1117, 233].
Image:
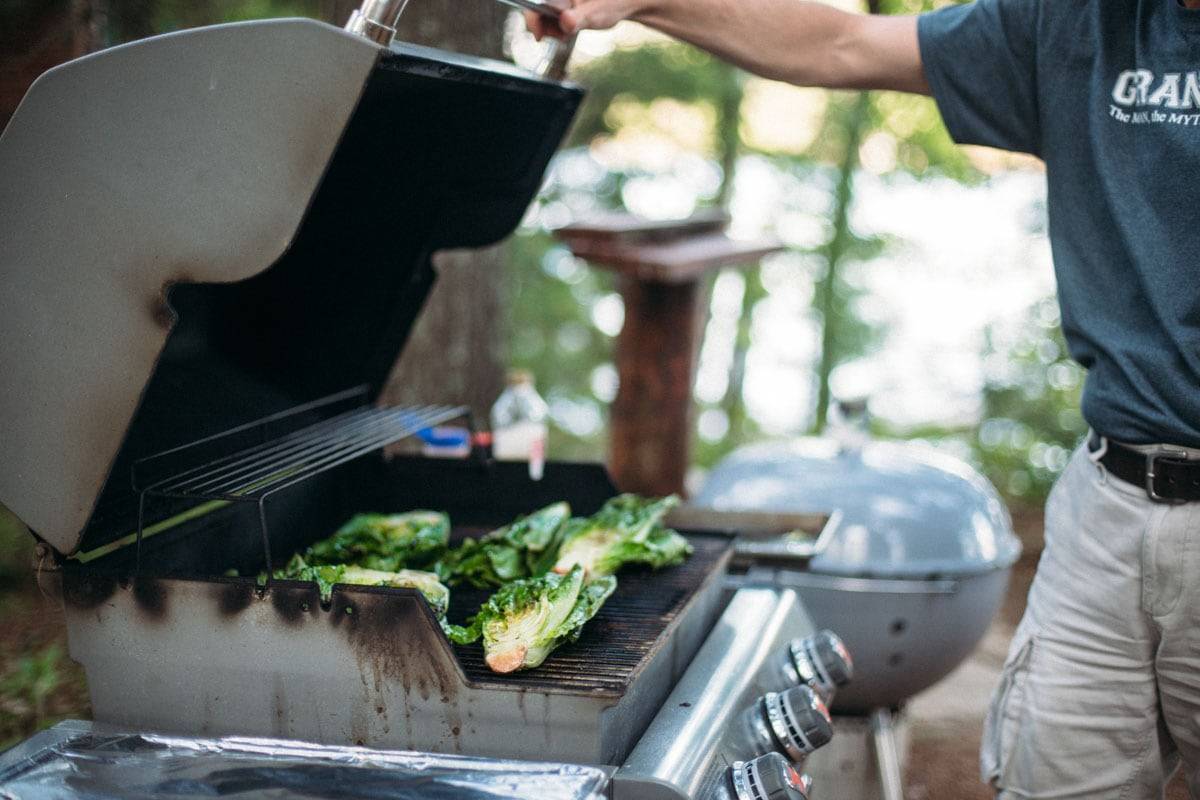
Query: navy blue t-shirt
[1107, 93]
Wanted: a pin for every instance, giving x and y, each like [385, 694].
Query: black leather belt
[1164, 472]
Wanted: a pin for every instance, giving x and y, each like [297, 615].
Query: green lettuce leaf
[628, 529]
[385, 542]
[525, 548]
[326, 575]
[523, 622]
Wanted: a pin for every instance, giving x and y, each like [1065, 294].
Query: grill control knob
[820, 661]
[768, 777]
[794, 723]
[799, 721]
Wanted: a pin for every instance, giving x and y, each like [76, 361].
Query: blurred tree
[36, 35]
[1031, 420]
[906, 129]
[454, 354]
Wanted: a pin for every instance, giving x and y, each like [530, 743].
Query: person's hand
[583, 15]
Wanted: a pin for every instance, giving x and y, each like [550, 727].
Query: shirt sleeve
[981, 63]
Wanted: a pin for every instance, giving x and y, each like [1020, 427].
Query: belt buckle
[1151, 457]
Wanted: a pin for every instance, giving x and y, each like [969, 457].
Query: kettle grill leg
[887, 757]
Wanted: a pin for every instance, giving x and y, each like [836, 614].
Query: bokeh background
[916, 273]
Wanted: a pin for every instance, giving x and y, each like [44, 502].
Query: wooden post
[660, 269]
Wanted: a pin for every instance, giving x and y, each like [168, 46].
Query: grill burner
[631, 627]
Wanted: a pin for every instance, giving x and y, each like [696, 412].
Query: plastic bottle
[519, 424]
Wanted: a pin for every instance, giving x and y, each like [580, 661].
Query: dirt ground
[947, 720]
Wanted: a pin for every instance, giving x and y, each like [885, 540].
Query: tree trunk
[475, 28]
[456, 354]
[36, 35]
[826, 291]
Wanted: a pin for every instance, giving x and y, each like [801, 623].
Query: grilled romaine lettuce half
[385, 542]
[526, 548]
[526, 620]
[325, 576]
[627, 530]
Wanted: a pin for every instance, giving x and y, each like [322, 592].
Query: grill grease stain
[292, 603]
[281, 705]
[399, 648]
[151, 597]
[89, 591]
[521, 705]
[233, 597]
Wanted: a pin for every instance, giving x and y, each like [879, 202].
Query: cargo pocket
[1007, 709]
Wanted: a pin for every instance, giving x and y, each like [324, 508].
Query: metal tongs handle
[376, 20]
[536, 6]
[554, 63]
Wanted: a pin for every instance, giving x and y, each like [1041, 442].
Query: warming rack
[250, 463]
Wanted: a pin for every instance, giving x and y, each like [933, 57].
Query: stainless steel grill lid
[209, 227]
[908, 511]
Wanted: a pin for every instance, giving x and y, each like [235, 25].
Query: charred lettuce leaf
[526, 548]
[627, 530]
[386, 542]
[325, 576]
[523, 622]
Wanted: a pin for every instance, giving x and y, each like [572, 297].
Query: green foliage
[833, 298]
[16, 550]
[1031, 419]
[552, 334]
[134, 19]
[652, 72]
[26, 688]
[909, 125]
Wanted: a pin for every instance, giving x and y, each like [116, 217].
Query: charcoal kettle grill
[912, 576]
[216, 243]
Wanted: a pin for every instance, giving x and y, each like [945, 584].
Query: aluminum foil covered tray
[75, 760]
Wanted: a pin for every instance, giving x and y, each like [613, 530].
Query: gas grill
[192, 373]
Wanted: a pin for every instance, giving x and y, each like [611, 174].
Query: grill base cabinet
[216, 243]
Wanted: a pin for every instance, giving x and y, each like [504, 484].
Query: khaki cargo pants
[1100, 695]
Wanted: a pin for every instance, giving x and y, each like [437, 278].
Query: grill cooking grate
[254, 461]
[631, 626]
[275, 465]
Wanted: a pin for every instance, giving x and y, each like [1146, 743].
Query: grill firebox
[180, 648]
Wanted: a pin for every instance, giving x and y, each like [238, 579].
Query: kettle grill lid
[217, 225]
[908, 510]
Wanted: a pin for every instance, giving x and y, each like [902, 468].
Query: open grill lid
[209, 227]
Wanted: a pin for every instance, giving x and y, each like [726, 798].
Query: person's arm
[805, 43]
